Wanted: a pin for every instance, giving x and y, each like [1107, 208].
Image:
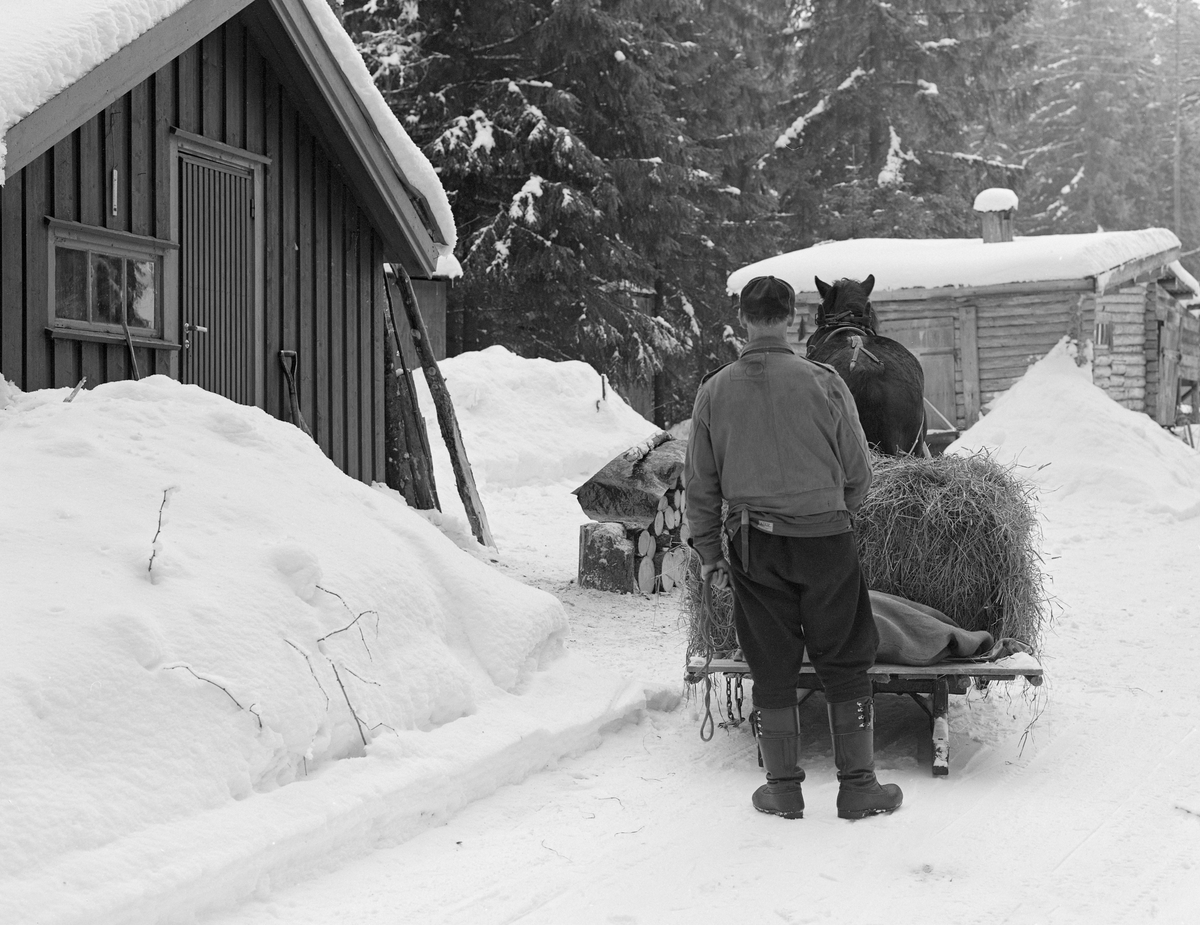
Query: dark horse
[886, 380]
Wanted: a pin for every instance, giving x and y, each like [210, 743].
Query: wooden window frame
[93, 239]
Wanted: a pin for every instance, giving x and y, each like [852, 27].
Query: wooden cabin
[978, 312]
[215, 196]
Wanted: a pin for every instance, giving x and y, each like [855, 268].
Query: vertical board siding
[289, 192]
[305, 294]
[12, 280]
[273, 271]
[39, 357]
[321, 304]
[337, 327]
[350, 315]
[322, 272]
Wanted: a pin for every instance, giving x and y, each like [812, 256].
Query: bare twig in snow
[154, 547]
[360, 677]
[352, 623]
[312, 670]
[222, 687]
[361, 734]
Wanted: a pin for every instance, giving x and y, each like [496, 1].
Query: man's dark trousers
[803, 591]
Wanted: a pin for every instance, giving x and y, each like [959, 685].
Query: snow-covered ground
[505, 781]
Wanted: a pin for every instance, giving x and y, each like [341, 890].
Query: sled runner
[929, 685]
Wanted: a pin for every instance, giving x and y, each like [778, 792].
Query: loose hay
[710, 632]
[957, 533]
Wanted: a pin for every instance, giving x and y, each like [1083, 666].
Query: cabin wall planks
[319, 268]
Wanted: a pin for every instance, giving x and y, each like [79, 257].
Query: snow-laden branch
[471, 132]
[522, 206]
[978, 159]
[796, 129]
[892, 173]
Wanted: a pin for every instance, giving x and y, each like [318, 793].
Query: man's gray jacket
[775, 435]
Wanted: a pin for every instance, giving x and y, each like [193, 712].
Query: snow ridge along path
[405, 784]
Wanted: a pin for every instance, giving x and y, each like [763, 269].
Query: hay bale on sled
[957, 533]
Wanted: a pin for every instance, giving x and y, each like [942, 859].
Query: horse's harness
[846, 324]
[840, 328]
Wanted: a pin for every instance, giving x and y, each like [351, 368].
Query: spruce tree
[898, 116]
[1097, 140]
[588, 149]
[1110, 80]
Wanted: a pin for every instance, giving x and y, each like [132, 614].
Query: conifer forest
[610, 162]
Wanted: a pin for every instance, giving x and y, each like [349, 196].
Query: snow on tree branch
[796, 129]
[893, 169]
[522, 206]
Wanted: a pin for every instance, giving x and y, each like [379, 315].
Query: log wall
[1128, 369]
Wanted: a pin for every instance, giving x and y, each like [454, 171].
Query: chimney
[996, 207]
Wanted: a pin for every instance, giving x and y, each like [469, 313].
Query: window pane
[107, 285]
[140, 292]
[70, 284]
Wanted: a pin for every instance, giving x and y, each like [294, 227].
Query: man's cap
[766, 297]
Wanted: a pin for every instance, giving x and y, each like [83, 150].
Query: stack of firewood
[638, 538]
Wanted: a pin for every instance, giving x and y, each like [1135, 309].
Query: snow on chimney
[996, 207]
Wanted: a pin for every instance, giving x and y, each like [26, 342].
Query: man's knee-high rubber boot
[852, 725]
[778, 734]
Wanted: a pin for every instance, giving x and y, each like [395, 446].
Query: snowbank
[193, 595]
[204, 618]
[1082, 448]
[529, 421]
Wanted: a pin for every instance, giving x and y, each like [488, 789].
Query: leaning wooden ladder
[934, 682]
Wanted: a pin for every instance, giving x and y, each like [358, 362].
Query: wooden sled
[929, 685]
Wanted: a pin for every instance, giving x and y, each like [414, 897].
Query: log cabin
[979, 311]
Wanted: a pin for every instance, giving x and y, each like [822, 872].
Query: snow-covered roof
[47, 47]
[1186, 279]
[932, 263]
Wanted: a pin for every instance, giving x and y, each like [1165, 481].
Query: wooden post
[968, 353]
[447, 420]
[409, 466]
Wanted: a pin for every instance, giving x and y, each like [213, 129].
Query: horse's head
[846, 302]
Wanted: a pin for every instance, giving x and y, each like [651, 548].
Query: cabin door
[220, 268]
[932, 341]
[1170, 340]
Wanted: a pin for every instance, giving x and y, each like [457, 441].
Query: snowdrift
[1082, 448]
[204, 616]
[530, 421]
[194, 599]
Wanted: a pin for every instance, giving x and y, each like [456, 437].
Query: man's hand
[719, 571]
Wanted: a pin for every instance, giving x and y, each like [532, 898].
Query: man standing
[777, 437]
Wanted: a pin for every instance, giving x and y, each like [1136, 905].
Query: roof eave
[1141, 269]
[112, 78]
[344, 105]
